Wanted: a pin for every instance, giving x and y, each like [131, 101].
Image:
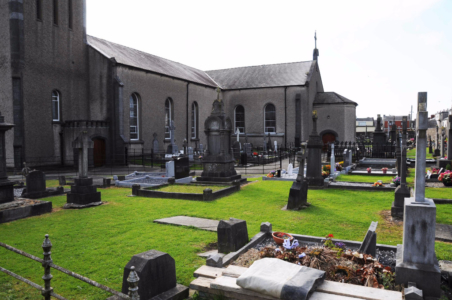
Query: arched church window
[55, 106]
[134, 119]
[239, 119]
[194, 120]
[39, 10]
[168, 117]
[55, 12]
[270, 118]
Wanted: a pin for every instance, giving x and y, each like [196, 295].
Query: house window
[239, 119]
[194, 120]
[39, 10]
[134, 117]
[55, 12]
[361, 123]
[69, 9]
[55, 106]
[168, 117]
[270, 118]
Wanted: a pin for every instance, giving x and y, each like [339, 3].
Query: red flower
[330, 235]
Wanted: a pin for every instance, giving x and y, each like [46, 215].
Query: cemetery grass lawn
[412, 153]
[440, 193]
[192, 189]
[98, 242]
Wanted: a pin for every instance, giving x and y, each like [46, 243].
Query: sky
[379, 54]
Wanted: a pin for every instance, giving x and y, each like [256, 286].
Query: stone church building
[56, 81]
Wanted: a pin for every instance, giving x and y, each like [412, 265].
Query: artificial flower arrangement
[338, 167]
[446, 178]
[255, 153]
[327, 169]
[435, 171]
[325, 174]
[396, 180]
[378, 184]
[271, 174]
[384, 170]
[369, 170]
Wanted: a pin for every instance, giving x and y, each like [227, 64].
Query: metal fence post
[47, 246]
[133, 280]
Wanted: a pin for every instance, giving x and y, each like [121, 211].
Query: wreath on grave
[446, 178]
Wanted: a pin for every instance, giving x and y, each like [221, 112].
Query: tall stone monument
[172, 147]
[332, 161]
[416, 258]
[298, 195]
[315, 144]
[449, 137]
[442, 163]
[379, 139]
[402, 191]
[218, 162]
[6, 186]
[437, 152]
[83, 193]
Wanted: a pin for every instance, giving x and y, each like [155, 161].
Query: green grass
[441, 193]
[412, 153]
[98, 242]
[192, 189]
[364, 178]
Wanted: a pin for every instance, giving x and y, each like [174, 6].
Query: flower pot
[277, 237]
[447, 183]
[384, 171]
[369, 171]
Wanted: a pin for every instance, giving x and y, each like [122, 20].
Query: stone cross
[83, 143]
[403, 151]
[332, 160]
[301, 158]
[421, 146]
[172, 128]
[238, 135]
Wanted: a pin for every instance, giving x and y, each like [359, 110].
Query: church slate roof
[331, 98]
[286, 74]
[142, 60]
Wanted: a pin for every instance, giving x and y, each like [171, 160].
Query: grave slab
[204, 224]
[443, 233]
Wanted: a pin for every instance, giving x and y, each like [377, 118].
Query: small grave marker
[369, 245]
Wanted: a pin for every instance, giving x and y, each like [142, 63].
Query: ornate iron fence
[47, 263]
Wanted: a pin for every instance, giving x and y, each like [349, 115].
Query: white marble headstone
[290, 170]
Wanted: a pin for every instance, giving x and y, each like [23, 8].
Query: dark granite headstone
[135, 189]
[62, 180]
[248, 149]
[36, 184]
[369, 245]
[298, 194]
[181, 167]
[157, 273]
[236, 150]
[232, 235]
[106, 182]
[243, 159]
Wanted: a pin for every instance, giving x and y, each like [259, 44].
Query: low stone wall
[205, 196]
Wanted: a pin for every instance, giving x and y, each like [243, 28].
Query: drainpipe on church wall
[186, 134]
[285, 117]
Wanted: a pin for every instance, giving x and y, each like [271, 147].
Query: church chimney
[315, 54]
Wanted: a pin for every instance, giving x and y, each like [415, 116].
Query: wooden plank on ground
[209, 272]
[368, 293]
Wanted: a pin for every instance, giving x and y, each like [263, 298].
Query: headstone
[181, 167]
[201, 149]
[232, 235]
[172, 147]
[248, 149]
[83, 193]
[157, 273]
[218, 162]
[237, 133]
[6, 186]
[416, 258]
[290, 170]
[266, 227]
[369, 244]
[155, 143]
[106, 182]
[437, 152]
[449, 137]
[430, 148]
[276, 146]
[402, 191]
[332, 160]
[269, 143]
[170, 172]
[36, 184]
[190, 153]
[62, 180]
[298, 194]
[315, 145]
[243, 159]
[379, 140]
[345, 158]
